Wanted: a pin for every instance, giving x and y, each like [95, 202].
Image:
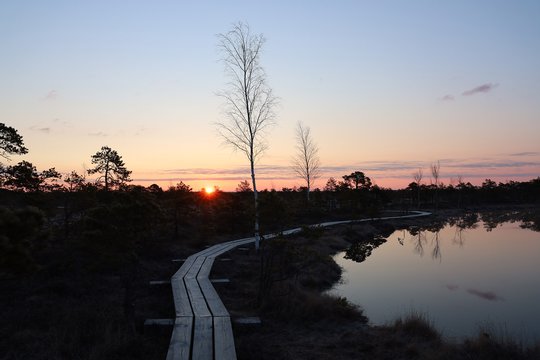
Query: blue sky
[384, 83]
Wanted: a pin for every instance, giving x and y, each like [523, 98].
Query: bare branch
[306, 162]
[248, 100]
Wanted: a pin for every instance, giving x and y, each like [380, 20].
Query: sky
[386, 87]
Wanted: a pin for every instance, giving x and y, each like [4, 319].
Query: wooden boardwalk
[202, 326]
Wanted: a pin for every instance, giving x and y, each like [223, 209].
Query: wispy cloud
[51, 95]
[504, 167]
[141, 130]
[448, 97]
[485, 88]
[493, 164]
[375, 169]
[45, 130]
[486, 295]
[99, 134]
[526, 153]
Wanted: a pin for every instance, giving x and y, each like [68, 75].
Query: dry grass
[303, 306]
[497, 343]
[416, 325]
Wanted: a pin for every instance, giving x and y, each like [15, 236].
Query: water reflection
[481, 267]
[486, 295]
[418, 239]
[359, 251]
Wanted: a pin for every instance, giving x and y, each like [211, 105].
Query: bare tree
[418, 175]
[306, 162]
[249, 102]
[436, 173]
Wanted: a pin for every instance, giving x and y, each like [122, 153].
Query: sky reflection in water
[463, 278]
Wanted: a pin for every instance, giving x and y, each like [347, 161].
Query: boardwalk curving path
[202, 327]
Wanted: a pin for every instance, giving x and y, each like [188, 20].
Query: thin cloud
[485, 88]
[99, 133]
[486, 295]
[493, 164]
[452, 287]
[51, 95]
[61, 122]
[448, 97]
[141, 130]
[526, 153]
[44, 130]
[468, 169]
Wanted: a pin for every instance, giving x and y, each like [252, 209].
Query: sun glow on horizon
[209, 190]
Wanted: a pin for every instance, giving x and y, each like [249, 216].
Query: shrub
[21, 233]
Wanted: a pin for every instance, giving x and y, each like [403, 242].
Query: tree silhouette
[243, 186]
[25, 177]
[331, 185]
[74, 181]
[22, 176]
[249, 103]
[111, 166]
[359, 180]
[11, 143]
[306, 163]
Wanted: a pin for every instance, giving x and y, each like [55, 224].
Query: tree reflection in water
[360, 251]
[418, 238]
[529, 219]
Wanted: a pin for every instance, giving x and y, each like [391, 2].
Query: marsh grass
[303, 305]
[495, 342]
[418, 325]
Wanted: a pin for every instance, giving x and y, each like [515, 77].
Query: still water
[464, 277]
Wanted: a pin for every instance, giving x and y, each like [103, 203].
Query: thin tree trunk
[256, 200]
[308, 186]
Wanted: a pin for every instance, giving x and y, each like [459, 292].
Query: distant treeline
[105, 228]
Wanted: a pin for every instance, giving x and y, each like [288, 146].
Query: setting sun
[209, 190]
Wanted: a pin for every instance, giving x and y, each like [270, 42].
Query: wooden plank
[196, 297]
[159, 282]
[179, 347]
[248, 321]
[212, 298]
[216, 250]
[159, 322]
[220, 281]
[185, 267]
[206, 268]
[182, 305]
[203, 338]
[223, 339]
[224, 249]
[194, 270]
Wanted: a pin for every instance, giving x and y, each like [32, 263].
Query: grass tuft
[417, 325]
[497, 343]
[305, 305]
